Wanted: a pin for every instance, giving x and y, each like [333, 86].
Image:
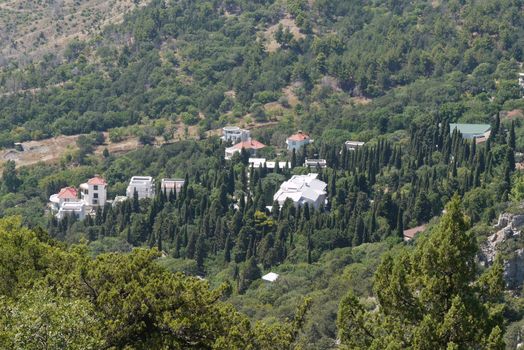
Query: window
[95, 187]
[95, 201]
[86, 192]
[95, 195]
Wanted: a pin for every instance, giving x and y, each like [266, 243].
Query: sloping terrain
[29, 29]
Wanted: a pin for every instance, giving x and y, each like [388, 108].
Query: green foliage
[54, 298]
[430, 297]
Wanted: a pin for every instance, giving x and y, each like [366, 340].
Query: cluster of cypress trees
[374, 192]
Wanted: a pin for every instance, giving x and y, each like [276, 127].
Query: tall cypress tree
[400, 222]
[511, 136]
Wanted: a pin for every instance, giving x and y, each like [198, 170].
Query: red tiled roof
[68, 193]
[97, 180]
[300, 136]
[409, 234]
[249, 144]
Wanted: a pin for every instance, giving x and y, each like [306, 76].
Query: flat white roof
[270, 277]
[231, 128]
[72, 206]
[141, 179]
[301, 187]
[173, 180]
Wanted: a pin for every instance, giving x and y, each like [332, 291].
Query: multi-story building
[172, 185]
[143, 185]
[235, 134]
[94, 192]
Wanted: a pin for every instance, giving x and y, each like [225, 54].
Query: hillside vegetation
[33, 29]
[206, 63]
[393, 74]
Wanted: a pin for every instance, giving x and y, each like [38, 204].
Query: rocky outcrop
[508, 227]
[514, 270]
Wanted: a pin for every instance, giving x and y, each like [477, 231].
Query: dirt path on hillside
[53, 149]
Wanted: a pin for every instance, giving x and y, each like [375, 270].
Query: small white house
[66, 194]
[521, 80]
[172, 185]
[94, 192]
[302, 189]
[143, 185]
[251, 146]
[260, 162]
[270, 277]
[298, 140]
[353, 145]
[313, 163]
[76, 208]
[235, 134]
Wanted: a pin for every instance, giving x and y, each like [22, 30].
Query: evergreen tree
[431, 297]
[511, 136]
[10, 180]
[200, 252]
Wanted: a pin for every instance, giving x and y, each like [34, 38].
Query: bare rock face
[508, 227]
[514, 270]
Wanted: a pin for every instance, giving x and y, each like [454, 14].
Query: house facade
[261, 162]
[172, 185]
[143, 185]
[298, 140]
[66, 194]
[314, 163]
[251, 146]
[302, 189]
[94, 192]
[76, 208]
[235, 134]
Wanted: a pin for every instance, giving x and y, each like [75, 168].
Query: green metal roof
[470, 128]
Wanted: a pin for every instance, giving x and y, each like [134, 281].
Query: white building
[172, 185]
[353, 145]
[94, 192]
[260, 162]
[251, 146]
[521, 80]
[313, 163]
[302, 189]
[66, 194]
[471, 131]
[143, 185]
[298, 140]
[235, 134]
[270, 277]
[77, 208]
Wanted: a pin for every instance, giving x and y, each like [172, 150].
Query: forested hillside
[392, 74]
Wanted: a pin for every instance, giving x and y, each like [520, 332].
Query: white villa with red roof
[250, 145]
[298, 140]
[66, 194]
[93, 194]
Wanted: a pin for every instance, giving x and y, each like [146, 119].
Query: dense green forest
[183, 270]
